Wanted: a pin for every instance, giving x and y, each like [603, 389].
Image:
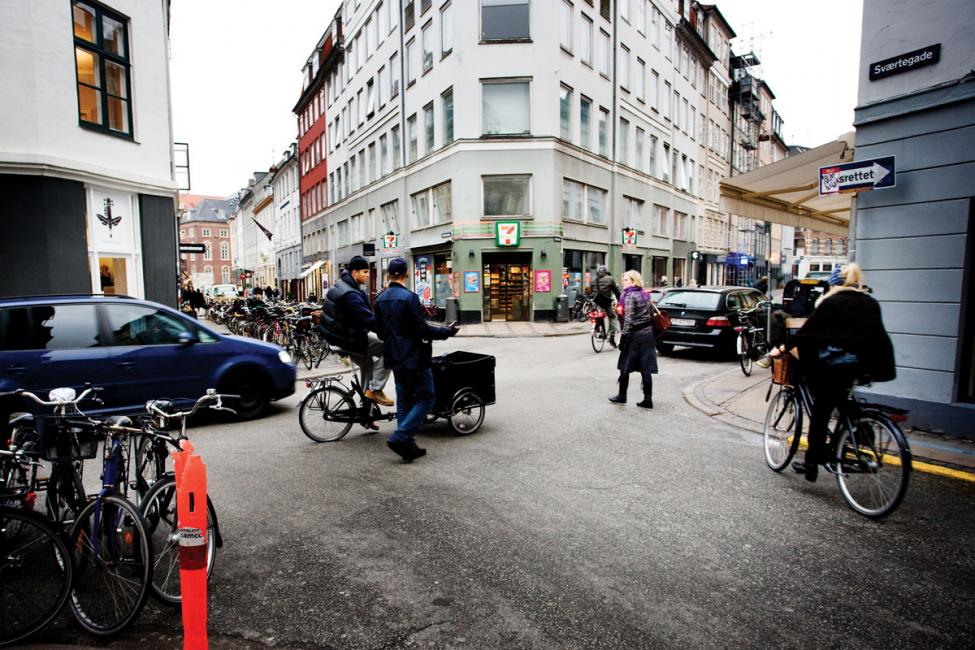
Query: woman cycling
[843, 340]
[638, 352]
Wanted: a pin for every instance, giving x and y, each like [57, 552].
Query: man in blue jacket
[348, 322]
[408, 350]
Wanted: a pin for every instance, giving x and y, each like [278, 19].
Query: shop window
[102, 68]
[505, 20]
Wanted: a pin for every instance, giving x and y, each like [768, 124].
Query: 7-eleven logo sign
[508, 233]
[391, 240]
[629, 237]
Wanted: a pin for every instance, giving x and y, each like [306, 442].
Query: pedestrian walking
[604, 290]
[638, 352]
[762, 284]
[408, 336]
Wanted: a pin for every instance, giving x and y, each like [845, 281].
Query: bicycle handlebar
[211, 396]
[20, 392]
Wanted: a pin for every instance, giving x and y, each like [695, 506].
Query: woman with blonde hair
[638, 351]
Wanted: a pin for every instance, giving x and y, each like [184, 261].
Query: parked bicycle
[752, 342]
[870, 454]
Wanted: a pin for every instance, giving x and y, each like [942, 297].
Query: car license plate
[682, 322]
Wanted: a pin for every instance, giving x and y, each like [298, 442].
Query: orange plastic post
[191, 510]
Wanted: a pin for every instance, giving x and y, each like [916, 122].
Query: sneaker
[764, 362]
[378, 397]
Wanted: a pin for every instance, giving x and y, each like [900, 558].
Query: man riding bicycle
[348, 323]
[604, 290]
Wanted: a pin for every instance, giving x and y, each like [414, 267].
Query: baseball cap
[358, 263]
[397, 266]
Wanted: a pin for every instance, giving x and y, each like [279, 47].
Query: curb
[694, 395]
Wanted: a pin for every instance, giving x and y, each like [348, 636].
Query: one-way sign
[192, 248]
[857, 176]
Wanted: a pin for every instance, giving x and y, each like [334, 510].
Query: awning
[311, 269]
[787, 191]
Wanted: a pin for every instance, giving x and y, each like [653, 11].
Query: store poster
[472, 282]
[423, 278]
[543, 281]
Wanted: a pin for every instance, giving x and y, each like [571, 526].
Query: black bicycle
[870, 454]
[751, 343]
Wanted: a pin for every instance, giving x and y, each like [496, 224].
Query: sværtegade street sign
[192, 248]
[857, 176]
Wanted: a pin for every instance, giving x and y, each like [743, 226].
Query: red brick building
[207, 224]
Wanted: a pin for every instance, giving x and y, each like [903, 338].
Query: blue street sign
[857, 176]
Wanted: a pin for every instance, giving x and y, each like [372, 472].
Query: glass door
[507, 290]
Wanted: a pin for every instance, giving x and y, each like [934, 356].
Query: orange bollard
[191, 510]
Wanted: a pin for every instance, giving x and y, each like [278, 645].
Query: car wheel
[665, 348]
[252, 390]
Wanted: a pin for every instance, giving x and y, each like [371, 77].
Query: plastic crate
[461, 370]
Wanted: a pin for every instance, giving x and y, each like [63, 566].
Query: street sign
[905, 62]
[192, 248]
[857, 176]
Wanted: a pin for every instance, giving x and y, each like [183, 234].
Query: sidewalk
[739, 401]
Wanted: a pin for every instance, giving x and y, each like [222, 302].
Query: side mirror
[187, 338]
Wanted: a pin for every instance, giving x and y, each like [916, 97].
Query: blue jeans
[414, 400]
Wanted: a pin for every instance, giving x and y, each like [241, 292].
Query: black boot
[647, 402]
[612, 340]
[620, 398]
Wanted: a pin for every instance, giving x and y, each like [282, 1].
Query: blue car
[135, 350]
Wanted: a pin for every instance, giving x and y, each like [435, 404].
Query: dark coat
[603, 289]
[850, 320]
[404, 329]
[638, 350]
[346, 316]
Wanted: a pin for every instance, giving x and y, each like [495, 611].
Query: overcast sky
[236, 73]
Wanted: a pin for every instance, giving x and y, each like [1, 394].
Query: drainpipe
[614, 202]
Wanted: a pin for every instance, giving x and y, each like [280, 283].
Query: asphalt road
[565, 522]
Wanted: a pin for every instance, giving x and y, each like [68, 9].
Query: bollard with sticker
[191, 509]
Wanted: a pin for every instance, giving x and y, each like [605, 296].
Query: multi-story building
[207, 224]
[86, 156]
[287, 224]
[565, 150]
[817, 251]
[251, 240]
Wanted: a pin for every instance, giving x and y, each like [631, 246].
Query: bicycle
[34, 557]
[327, 413]
[870, 455]
[751, 343]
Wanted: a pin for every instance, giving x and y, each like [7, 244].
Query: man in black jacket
[348, 322]
[408, 335]
[604, 289]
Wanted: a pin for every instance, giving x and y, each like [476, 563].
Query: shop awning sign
[857, 176]
[507, 233]
[629, 237]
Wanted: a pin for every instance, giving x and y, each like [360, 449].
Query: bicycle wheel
[873, 466]
[158, 511]
[152, 464]
[113, 566]
[782, 430]
[466, 413]
[35, 574]
[744, 354]
[598, 337]
[319, 408]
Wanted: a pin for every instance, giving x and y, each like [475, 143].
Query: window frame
[529, 202]
[97, 49]
[480, 27]
[507, 80]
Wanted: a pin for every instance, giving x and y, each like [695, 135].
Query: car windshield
[691, 300]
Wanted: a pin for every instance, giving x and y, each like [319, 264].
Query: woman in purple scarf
[638, 352]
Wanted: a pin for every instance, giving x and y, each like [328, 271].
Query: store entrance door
[507, 287]
[632, 263]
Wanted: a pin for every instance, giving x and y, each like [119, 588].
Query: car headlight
[284, 356]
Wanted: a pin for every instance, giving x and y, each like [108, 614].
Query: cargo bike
[463, 388]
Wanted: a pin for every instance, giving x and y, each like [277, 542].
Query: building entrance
[507, 287]
[632, 263]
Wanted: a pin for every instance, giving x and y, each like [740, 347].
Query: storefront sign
[543, 281]
[472, 282]
[508, 233]
[905, 62]
[629, 237]
[391, 240]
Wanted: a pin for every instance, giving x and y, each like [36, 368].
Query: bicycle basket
[65, 440]
[782, 369]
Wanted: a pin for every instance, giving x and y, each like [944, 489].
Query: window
[424, 5]
[372, 162]
[504, 20]
[654, 90]
[224, 251]
[596, 205]
[206, 232]
[383, 84]
[102, 66]
[624, 142]
[565, 113]
[421, 209]
[428, 127]
[395, 137]
[446, 30]
[411, 136]
[638, 149]
[207, 251]
[393, 76]
[605, 8]
[223, 232]
[680, 225]
[641, 78]
[624, 67]
[507, 196]
[343, 234]
[431, 206]
[572, 193]
[641, 16]
[390, 216]
[632, 212]
[654, 143]
[585, 118]
[370, 233]
[225, 275]
[138, 325]
[426, 38]
[49, 327]
[666, 100]
[357, 227]
[383, 155]
[442, 203]
[506, 107]
[411, 66]
[624, 9]
[660, 220]
[585, 39]
[603, 135]
[409, 16]
[686, 117]
[602, 53]
[565, 24]
[448, 115]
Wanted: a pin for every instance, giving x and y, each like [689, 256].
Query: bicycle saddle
[118, 421]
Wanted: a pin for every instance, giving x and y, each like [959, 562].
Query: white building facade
[86, 156]
[287, 223]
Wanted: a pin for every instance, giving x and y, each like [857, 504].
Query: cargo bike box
[463, 385]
